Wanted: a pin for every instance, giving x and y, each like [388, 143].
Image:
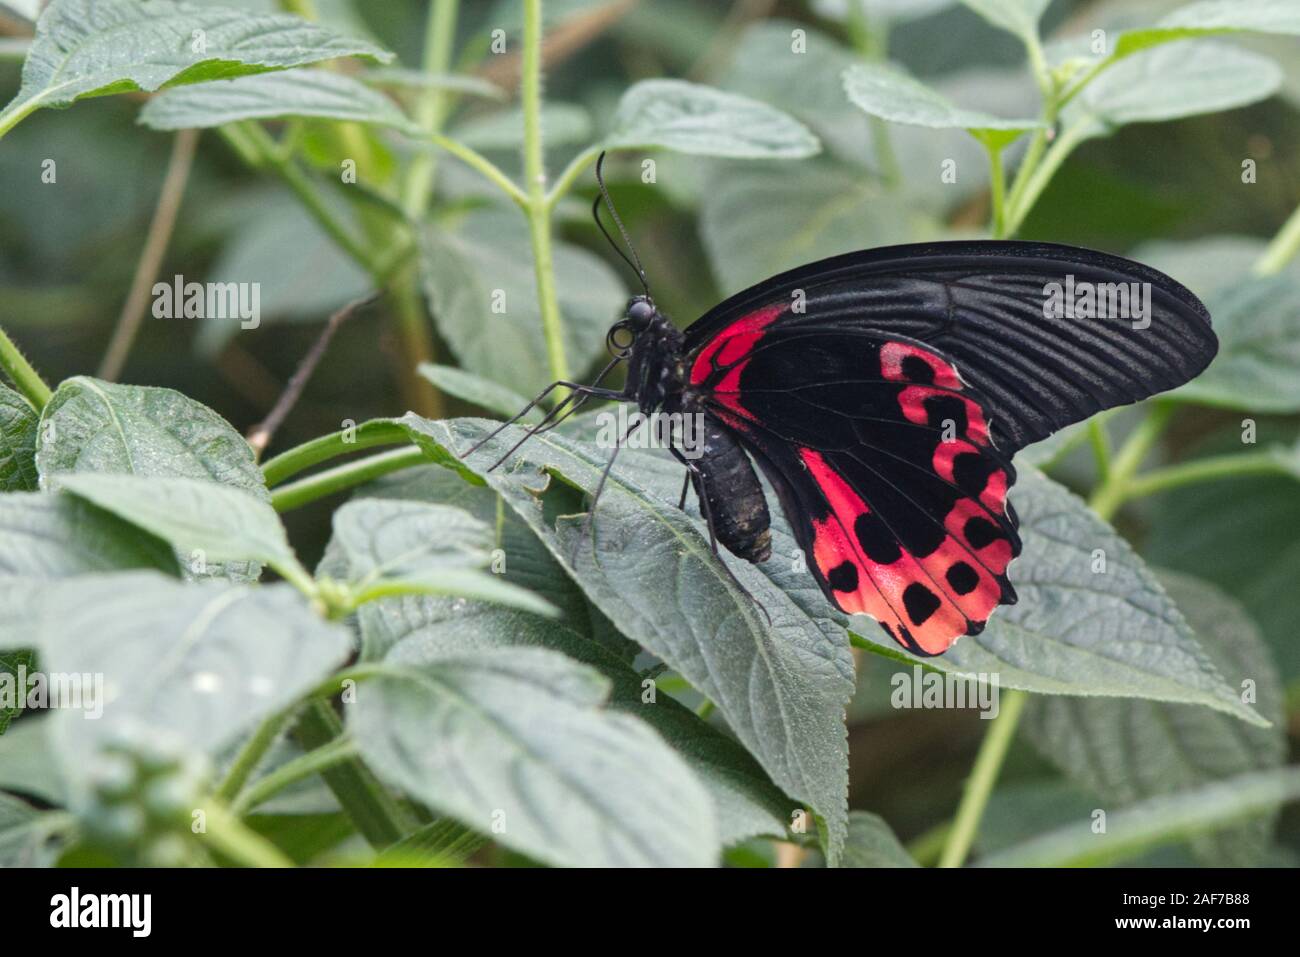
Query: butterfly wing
[884, 402]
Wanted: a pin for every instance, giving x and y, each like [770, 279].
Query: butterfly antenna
[635, 261]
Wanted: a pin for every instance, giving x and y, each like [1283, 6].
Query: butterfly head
[640, 316]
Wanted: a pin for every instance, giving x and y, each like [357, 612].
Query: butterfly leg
[686, 485]
[600, 486]
[693, 472]
[576, 388]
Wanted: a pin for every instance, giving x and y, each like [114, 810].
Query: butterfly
[883, 394]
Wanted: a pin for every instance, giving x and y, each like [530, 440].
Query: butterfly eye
[619, 340]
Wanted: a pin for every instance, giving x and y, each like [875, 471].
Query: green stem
[301, 457]
[1112, 492]
[296, 494]
[1282, 249]
[997, 190]
[577, 166]
[1038, 176]
[434, 104]
[1206, 470]
[538, 209]
[478, 161]
[377, 816]
[927, 848]
[979, 787]
[251, 754]
[229, 836]
[1100, 439]
[27, 379]
[314, 762]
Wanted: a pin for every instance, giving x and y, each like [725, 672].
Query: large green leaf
[782, 688]
[45, 537]
[1258, 366]
[1080, 631]
[747, 803]
[1154, 822]
[475, 390]
[872, 843]
[95, 426]
[96, 47]
[195, 516]
[317, 93]
[703, 121]
[23, 832]
[516, 743]
[392, 547]
[483, 292]
[18, 424]
[1127, 750]
[185, 666]
[892, 95]
[1016, 16]
[27, 765]
[1170, 82]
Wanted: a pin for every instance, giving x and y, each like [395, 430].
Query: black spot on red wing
[962, 578]
[975, 627]
[877, 542]
[971, 472]
[939, 409]
[843, 577]
[980, 532]
[916, 369]
[920, 603]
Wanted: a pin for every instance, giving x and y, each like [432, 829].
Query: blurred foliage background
[1167, 193]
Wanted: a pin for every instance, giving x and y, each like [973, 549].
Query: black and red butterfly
[883, 394]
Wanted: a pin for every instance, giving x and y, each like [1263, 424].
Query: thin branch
[259, 437]
[155, 247]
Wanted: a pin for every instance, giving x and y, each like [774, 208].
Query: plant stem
[432, 108]
[927, 847]
[577, 166]
[1282, 249]
[979, 786]
[538, 209]
[155, 246]
[478, 161]
[28, 381]
[1110, 495]
[997, 190]
[251, 754]
[1100, 439]
[229, 836]
[304, 456]
[1207, 470]
[377, 816]
[297, 494]
[1037, 178]
[314, 762]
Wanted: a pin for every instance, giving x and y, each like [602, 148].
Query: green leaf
[480, 282]
[872, 843]
[474, 389]
[1258, 366]
[747, 803]
[1155, 822]
[645, 565]
[18, 425]
[317, 93]
[1077, 631]
[12, 664]
[97, 47]
[523, 750]
[703, 121]
[23, 832]
[1171, 82]
[1127, 750]
[386, 547]
[407, 79]
[95, 426]
[201, 519]
[44, 537]
[892, 95]
[27, 765]
[759, 219]
[186, 666]
[562, 124]
[1015, 16]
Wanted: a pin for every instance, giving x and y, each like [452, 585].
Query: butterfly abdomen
[726, 481]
